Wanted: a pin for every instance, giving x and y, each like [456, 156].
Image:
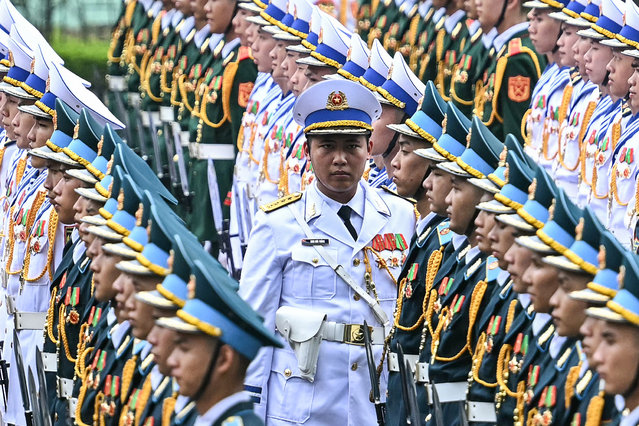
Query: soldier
[338, 148]
[501, 106]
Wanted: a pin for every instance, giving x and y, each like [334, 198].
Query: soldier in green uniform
[217, 327]
[502, 95]
[226, 90]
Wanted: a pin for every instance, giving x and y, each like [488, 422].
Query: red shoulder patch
[244, 93]
[514, 46]
[518, 88]
[245, 53]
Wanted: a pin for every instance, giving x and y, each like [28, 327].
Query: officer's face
[85, 207]
[289, 66]
[184, 6]
[162, 340]
[123, 290]
[518, 259]
[65, 197]
[315, 74]
[277, 55]
[409, 169]
[251, 34]
[382, 135]
[542, 282]
[298, 80]
[591, 332]
[189, 361]
[461, 201]
[240, 25]
[617, 357]
[54, 174]
[338, 161]
[501, 238]
[634, 87]
[484, 223]
[38, 135]
[261, 48]
[9, 110]
[219, 14]
[620, 68]
[22, 124]
[141, 314]
[197, 9]
[579, 50]
[569, 314]
[544, 31]
[566, 42]
[104, 271]
[597, 55]
[437, 186]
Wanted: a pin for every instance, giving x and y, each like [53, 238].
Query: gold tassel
[127, 377]
[511, 314]
[168, 407]
[571, 381]
[595, 410]
[143, 398]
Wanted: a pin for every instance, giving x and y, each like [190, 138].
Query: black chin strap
[606, 79]
[502, 14]
[393, 141]
[556, 48]
[209, 370]
[471, 225]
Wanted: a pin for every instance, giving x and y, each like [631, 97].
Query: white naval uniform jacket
[280, 271]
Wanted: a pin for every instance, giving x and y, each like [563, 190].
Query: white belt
[185, 138]
[421, 372]
[64, 387]
[73, 402]
[30, 320]
[352, 334]
[134, 100]
[167, 115]
[482, 412]
[393, 362]
[50, 362]
[212, 151]
[11, 308]
[116, 83]
[448, 392]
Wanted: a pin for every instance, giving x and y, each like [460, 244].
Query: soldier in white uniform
[289, 277]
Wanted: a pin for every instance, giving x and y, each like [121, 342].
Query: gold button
[288, 372]
[354, 366]
[356, 262]
[315, 260]
[356, 297]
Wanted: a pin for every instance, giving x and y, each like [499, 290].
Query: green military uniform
[503, 94]
[448, 45]
[467, 71]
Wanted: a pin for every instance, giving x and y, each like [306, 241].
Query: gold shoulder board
[281, 202]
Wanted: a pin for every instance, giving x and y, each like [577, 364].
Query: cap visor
[535, 244]
[34, 110]
[454, 169]
[561, 262]
[312, 62]
[155, 299]
[590, 33]
[404, 130]
[95, 220]
[91, 194]
[178, 324]
[250, 6]
[84, 175]
[430, 154]
[340, 130]
[120, 249]
[614, 43]
[535, 4]
[516, 221]
[299, 48]
[579, 22]
[605, 314]
[63, 158]
[105, 233]
[631, 52]
[258, 20]
[488, 186]
[494, 206]
[134, 267]
[589, 296]
[18, 92]
[560, 16]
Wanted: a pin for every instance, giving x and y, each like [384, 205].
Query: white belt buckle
[30, 320]
[49, 362]
[482, 412]
[167, 115]
[64, 387]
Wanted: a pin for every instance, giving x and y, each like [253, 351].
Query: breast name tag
[314, 241]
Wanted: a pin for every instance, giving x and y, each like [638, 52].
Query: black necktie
[345, 214]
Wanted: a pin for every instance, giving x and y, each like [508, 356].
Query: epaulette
[390, 191]
[456, 30]
[561, 362]
[218, 48]
[625, 109]
[476, 36]
[473, 268]
[233, 421]
[440, 24]
[228, 58]
[492, 269]
[281, 202]
[545, 337]
[444, 234]
[584, 382]
[244, 53]
[204, 45]
[429, 14]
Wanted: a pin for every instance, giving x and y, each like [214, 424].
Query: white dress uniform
[287, 279]
[280, 271]
[535, 119]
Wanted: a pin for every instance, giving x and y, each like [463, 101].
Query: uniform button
[288, 372]
[315, 260]
[354, 366]
[356, 262]
[356, 297]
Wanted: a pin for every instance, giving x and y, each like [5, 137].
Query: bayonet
[44, 393]
[408, 388]
[24, 388]
[182, 170]
[380, 407]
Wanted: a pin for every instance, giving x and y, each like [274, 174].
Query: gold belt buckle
[354, 334]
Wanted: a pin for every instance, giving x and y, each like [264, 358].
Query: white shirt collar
[356, 203]
[156, 377]
[78, 251]
[524, 299]
[631, 419]
[201, 35]
[539, 322]
[502, 277]
[214, 413]
[453, 19]
[555, 345]
[118, 332]
[423, 222]
[504, 37]
[489, 37]
[474, 251]
[458, 240]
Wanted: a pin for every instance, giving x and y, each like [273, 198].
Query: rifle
[168, 142]
[157, 160]
[44, 395]
[24, 387]
[184, 177]
[380, 407]
[408, 388]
